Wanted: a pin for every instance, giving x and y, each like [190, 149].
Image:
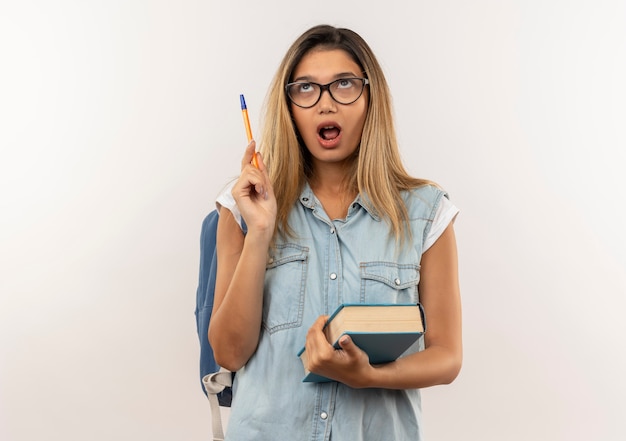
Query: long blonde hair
[377, 172]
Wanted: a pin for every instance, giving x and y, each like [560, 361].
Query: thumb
[346, 343]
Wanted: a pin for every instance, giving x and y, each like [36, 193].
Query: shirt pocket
[285, 277]
[389, 282]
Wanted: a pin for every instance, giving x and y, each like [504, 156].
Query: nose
[326, 102]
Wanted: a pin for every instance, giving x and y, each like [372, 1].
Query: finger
[249, 157]
[346, 343]
[248, 154]
[257, 161]
[354, 355]
[315, 335]
[258, 158]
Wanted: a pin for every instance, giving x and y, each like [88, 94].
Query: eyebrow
[308, 78]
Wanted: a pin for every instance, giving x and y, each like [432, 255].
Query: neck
[333, 194]
[331, 178]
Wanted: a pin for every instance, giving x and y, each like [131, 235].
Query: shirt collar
[308, 199]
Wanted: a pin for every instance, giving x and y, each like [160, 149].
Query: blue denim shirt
[329, 262]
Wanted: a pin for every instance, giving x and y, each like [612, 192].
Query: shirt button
[397, 281]
[333, 276]
[332, 231]
[323, 415]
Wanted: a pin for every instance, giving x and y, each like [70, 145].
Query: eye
[304, 87]
[345, 83]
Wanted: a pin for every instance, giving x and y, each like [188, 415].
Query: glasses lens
[303, 94]
[346, 90]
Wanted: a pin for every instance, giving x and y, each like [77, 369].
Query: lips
[329, 134]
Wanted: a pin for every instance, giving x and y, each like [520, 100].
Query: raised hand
[254, 194]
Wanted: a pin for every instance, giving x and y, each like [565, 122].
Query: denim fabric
[328, 263]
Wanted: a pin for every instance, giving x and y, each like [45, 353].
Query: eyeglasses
[306, 94]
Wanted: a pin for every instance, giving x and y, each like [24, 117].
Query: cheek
[298, 114]
[300, 120]
[359, 122]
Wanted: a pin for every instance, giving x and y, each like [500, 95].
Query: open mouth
[329, 132]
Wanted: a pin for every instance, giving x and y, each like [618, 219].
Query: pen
[246, 122]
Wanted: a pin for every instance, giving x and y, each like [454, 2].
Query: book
[383, 331]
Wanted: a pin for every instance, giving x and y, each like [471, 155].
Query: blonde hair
[376, 173]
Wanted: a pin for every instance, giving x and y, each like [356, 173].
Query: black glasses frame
[324, 87]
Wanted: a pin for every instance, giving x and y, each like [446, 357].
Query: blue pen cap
[243, 102]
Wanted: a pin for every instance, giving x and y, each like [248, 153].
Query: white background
[120, 123]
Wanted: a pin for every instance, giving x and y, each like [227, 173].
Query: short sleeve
[445, 214]
[225, 199]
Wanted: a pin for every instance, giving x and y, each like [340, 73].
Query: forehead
[325, 64]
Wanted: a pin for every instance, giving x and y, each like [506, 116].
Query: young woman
[332, 217]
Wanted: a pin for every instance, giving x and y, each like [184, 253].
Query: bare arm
[238, 304]
[440, 361]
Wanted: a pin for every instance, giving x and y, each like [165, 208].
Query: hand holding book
[382, 331]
